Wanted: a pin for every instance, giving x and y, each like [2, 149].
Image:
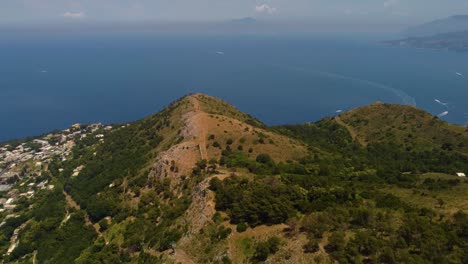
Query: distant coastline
[457, 41]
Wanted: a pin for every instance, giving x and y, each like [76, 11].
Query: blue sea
[51, 80]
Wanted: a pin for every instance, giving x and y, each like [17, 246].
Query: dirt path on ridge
[202, 133]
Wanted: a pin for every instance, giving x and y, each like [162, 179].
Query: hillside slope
[406, 126]
[202, 182]
[147, 173]
[209, 126]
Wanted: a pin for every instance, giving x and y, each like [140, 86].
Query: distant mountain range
[244, 20]
[445, 34]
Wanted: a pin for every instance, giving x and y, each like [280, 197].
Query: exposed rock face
[180, 159]
[202, 209]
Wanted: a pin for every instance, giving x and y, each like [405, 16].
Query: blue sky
[381, 11]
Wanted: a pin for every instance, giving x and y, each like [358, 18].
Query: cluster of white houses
[22, 164]
[25, 161]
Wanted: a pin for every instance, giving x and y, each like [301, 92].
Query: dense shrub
[265, 248]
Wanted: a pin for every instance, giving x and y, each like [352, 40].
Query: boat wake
[405, 98]
[443, 114]
[440, 102]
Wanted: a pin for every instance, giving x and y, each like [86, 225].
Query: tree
[241, 227]
[264, 158]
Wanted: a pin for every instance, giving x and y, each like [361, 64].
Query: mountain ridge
[203, 182]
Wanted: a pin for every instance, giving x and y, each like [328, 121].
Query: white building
[9, 204]
[461, 174]
[42, 142]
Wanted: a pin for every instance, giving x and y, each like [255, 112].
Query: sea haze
[49, 81]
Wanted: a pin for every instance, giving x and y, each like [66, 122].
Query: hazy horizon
[317, 15]
[218, 27]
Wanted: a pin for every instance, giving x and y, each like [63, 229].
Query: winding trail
[351, 131]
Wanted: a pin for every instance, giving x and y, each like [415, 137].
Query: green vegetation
[384, 227]
[405, 126]
[339, 193]
[48, 231]
[254, 203]
[123, 154]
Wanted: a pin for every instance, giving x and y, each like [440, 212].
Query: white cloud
[74, 15]
[390, 3]
[265, 9]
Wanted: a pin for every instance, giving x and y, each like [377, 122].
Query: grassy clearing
[454, 199]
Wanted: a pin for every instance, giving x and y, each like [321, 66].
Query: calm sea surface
[50, 81]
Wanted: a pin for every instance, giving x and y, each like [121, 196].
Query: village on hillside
[23, 163]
